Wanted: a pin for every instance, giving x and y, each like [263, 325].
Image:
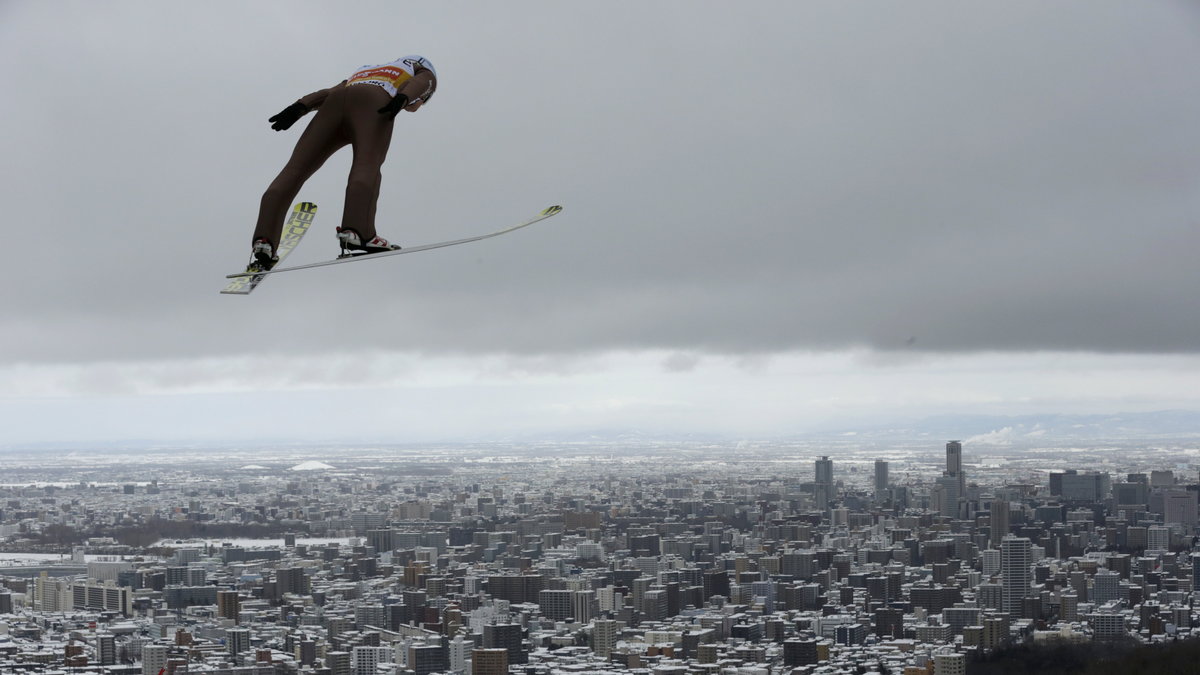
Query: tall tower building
[999, 523]
[228, 605]
[1016, 560]
[106, 649]
[881, 480]
[954, 465]
[824, 470]
[823, 492]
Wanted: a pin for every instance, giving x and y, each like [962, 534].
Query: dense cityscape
[685, 558]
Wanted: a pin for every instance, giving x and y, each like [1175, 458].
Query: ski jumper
[347, 114]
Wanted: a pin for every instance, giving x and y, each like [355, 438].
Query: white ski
[544, 214]
[293, 230]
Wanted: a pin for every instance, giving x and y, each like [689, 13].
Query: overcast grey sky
[754, 196]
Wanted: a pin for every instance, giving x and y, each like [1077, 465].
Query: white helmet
[416, 62]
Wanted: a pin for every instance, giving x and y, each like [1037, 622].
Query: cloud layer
[929, 177]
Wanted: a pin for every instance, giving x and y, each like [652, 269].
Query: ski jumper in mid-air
[359, 112]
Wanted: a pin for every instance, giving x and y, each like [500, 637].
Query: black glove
[394, 106]
[288, 116]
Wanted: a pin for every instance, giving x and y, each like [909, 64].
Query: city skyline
[462, 560]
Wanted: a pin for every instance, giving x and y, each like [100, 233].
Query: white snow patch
[998, 437]
[311, 465]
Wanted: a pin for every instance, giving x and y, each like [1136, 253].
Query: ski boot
[262, 255]
[352, 244]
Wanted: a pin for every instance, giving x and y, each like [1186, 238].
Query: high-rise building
[306, 652]
[999, 522]
[458, 651]
[365, 659]
[1106, 587]
[338, 663]
[228, 605]
[107, 570]
[654, 604]
[823, 482]
[947, 488]
[824, 470]
[1179, 506]
[881, 481]
[1162, 478]
[889, 622]
[107, 595]
[583, 605]
[1107, 625]
[515, 588]
[797, 652]
[1158, 538]
[292, 580]
[1016, 559]
[556, 604]
[954, 466]
[953, 663]
[850, 634]
[506, 636]
[52, 594]
[961, 616]
[428, 658]
[489, 661]
[1069, 607]
[1087, 487]
[362, 522]
[990, 560]
[106, 649]
[1056, 482]
[154, 659]
[370, 616]
[604, 637]
[237, 640]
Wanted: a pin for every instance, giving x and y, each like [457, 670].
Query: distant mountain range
[1022, 430]
[980, 429]
[1045, 428]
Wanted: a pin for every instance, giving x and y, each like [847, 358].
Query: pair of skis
[298, 224]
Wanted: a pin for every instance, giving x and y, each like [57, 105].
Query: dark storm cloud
[932, 176]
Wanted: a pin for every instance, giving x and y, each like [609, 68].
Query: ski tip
[551, 210]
